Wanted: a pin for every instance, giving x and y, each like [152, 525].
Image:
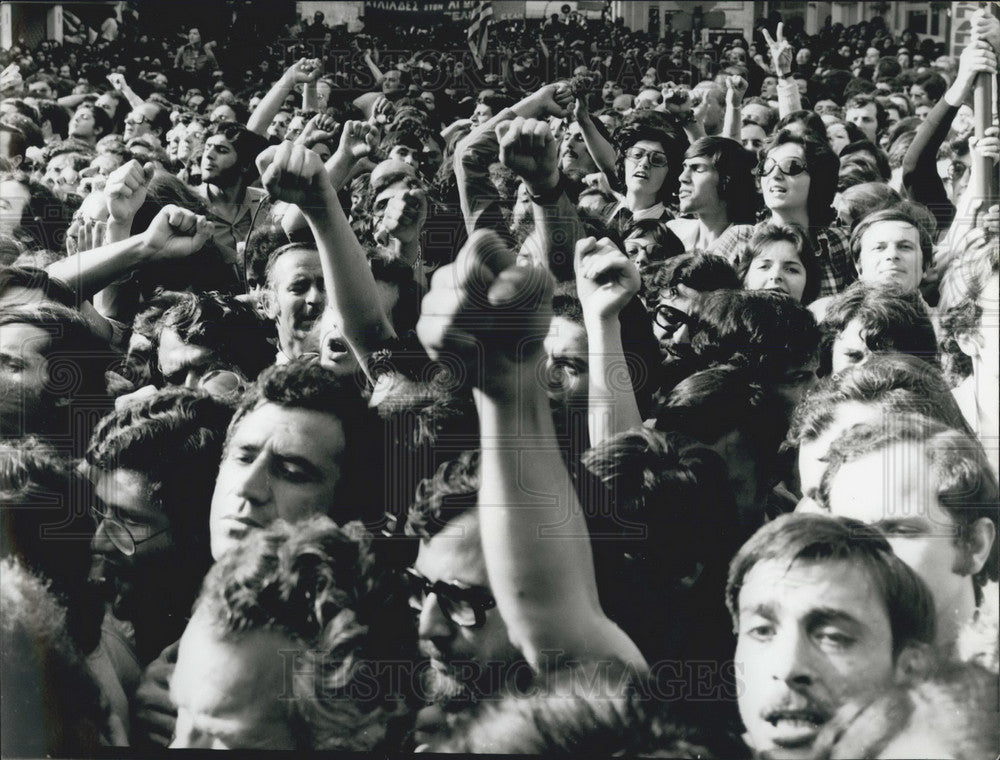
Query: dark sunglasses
[790, 167]
[465, 606]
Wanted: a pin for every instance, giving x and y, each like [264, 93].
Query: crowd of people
[609, 394]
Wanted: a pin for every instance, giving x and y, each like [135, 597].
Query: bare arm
[303, 70]
[534, 532]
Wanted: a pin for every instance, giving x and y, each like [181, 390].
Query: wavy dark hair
[823, 167]
[674, 143]
[767, 234]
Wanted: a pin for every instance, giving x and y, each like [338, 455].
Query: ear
[913, 663]
[268, 303]
[982, 535]
[970, 343]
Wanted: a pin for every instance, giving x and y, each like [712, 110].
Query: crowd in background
[606, 393]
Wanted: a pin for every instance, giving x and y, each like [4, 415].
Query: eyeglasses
[656, 158]
[135, 121]
[118, 533]
[790, 167]
[670, 318]
[465, 606]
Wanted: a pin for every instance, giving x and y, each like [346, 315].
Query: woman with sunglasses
[798, 180]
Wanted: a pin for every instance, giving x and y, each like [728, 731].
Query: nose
[186, 736]
[682, 335]
[100, 543]
[775, 276]
[791, 659]
[254, 487]
[316, 296]
[433, 624]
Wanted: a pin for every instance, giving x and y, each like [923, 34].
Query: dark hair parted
[674, 144]
[823, 167]
[734, 165]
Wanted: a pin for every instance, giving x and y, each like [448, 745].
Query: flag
[478, 34]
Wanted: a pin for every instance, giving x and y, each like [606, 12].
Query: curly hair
[304, 384]
[891, 319]
[451, 492]
[674, 145]
[322, 586]
[960, 307]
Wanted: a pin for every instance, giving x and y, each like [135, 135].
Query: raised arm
[293, 174]
[174, 233]
[605, 282]
[302, 71]
[736, 88]
[528, 148]
[493, 316]
[789, 98]
[603, 152]
[119, 82]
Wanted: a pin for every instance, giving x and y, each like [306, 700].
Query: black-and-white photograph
[579, 378]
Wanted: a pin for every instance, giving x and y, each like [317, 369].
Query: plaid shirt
[832, 246]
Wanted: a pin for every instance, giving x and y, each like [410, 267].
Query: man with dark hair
[89, 124]
[153, 464]
[824, 613]
[927, 89]
[302, 442]
[12, 145]
[316, 592]
[227, 169]
[867, 114]
[35, 397]
[931, 492]
[676, 287]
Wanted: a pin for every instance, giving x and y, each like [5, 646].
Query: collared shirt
[231, 223]
[832, 246]
[656, 211]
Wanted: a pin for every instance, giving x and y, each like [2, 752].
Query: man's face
[23, 376]
[671, 327]
[566, 361]
[769, 88]
[918, 96]
[871, 56]
[279, 125]
[757, 113]
[227, 689]
[181, 363]
[648, 99]
[812, 454]
[139, 122]
[41, 90]
[894, 491]
[464, 660]
[890, 253]
[14, 199]
[297, 300]
[811, 636]
[610, 91]
[220, 162]
[194, 37]
[222, 113]
[865, 119]
[574, 158]
[699, 189]
[280, 462]
[82, 125]
[752, 137]
[132, 518]
[407, 155]
[108, 104]
[392, 83]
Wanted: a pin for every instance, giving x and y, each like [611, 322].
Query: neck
[640, 201]
[712, 222]
[797, 216]
[954, 617]
[987, 398]
[230, 194]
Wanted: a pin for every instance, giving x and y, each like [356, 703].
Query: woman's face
[786, 192]
[778, 267]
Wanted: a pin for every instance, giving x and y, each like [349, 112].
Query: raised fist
[126, 190]
[359, 139]
[736, 89]
[528, 149]
[175, 233]
[294, 174]
[606, 280]
[487, 314]
[405, 215]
